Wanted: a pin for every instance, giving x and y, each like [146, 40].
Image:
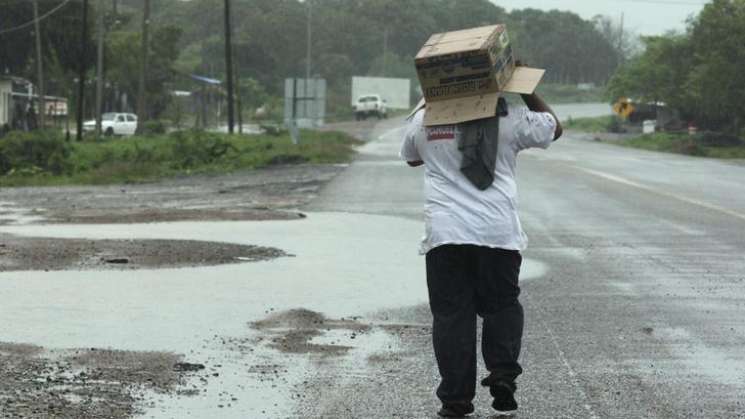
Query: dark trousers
[463, 281]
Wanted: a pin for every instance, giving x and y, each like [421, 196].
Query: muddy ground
[267, 194]
[264, 194]
[51, 254]
[38, 382]
[85, 383]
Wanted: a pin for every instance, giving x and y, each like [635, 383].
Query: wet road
[639, 310]
[633, 288]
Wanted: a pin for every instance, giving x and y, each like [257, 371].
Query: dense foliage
[44, 158]
[60, 36]
[349, 37]
[378, 37]
[699, 73]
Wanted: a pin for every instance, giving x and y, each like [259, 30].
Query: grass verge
[701, 145]
[45, 159]
[594, 124]
[569, 93]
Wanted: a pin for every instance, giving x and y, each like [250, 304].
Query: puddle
[10, 214]
[344, 265]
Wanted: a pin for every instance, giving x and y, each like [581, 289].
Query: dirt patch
[293, 331]
[160, 215]
[83, 383]
[24, 254]
[265, 194]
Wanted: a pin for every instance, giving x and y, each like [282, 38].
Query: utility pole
[144, 53]
[99, 66]
[308, 62]
[39, 67]
[238, 100]
[81, 70]
[385, 51]
[310, 41]
[229, 67]
[114, 8]
[620, 40]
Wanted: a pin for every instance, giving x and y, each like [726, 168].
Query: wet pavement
[632, 286]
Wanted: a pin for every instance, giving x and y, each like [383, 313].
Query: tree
[60, 35]
[657, 75]
[123, 60]
[699, 72]
[717, 80]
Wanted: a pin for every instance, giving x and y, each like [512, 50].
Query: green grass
[594, 124]
[145, 159]
[684, 144]
[555, 93]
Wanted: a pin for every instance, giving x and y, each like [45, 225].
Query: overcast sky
[645, 17]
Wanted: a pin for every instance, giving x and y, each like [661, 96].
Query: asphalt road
[633, 288]
[635, 302]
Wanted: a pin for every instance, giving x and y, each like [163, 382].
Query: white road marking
[685, 199]
[562, 356]
[392, 132]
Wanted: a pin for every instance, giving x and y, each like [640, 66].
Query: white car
[114, 124]
[370, 105]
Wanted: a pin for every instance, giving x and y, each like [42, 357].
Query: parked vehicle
[113, 123]
[370, 105]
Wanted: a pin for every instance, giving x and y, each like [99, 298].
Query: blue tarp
[205, 79]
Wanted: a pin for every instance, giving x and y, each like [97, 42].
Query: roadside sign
[305, 102]
[623, 107]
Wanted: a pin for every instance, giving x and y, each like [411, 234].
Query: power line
[672, 2]
[668, 2]
[33, 21]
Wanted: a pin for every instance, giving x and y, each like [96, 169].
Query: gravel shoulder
[37, 382]
[268, 194]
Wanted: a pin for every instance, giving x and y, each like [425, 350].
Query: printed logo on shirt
[446, 132]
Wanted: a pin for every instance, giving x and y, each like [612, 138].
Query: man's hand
[536, 104]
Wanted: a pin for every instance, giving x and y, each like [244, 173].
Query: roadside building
[19, 105]
[6, 90]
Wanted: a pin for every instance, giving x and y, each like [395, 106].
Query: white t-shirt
[456, 212]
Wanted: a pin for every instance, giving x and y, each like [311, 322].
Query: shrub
[154, 127]
[195, 148]
[36, 151]
[616, 125]
[717, 139]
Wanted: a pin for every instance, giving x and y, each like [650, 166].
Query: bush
[717, 139]
[197, 148]
[35, 158]
[37, 152]
[154, 127]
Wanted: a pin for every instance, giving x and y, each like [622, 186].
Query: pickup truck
[370, 105]
[114, 124]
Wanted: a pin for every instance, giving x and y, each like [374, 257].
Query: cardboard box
[462, 74]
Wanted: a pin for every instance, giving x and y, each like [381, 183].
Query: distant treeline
[349, 37]
[379, 37]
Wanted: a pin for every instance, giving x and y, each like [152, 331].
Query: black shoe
[504, 399]
[455, 410]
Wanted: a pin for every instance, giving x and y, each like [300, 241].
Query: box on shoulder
[465, 63]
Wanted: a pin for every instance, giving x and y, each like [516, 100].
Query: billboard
[396, 92]
[305, 102]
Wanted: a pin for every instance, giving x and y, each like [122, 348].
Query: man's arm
[536, 104]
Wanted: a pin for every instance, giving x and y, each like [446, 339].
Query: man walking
[472, 244]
